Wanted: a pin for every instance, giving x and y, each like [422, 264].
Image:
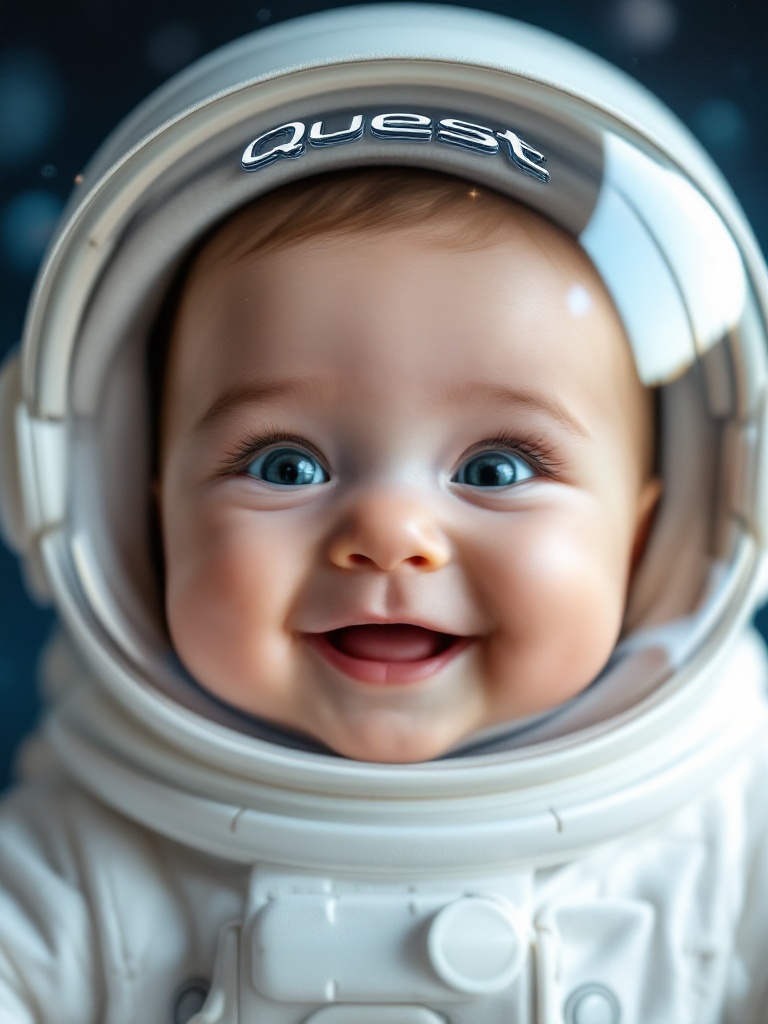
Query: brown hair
[358, 200]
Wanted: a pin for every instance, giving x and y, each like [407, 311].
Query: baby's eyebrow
[496, 393]
[261, 390]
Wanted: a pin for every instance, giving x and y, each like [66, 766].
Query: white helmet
[535, 118]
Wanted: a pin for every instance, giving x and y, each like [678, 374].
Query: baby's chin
[392, 739]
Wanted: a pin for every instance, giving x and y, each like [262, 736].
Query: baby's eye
[493, 469]
[287, 467]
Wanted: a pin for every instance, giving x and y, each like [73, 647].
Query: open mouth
[388, 652]
[391, 642]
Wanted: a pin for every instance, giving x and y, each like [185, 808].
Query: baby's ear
[647, 504]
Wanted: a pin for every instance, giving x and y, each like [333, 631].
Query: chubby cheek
[557, 597]
[228, 595]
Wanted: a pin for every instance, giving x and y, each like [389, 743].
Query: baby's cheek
[559, 602]
[226, 599]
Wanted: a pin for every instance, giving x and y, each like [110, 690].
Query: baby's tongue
[394, 642]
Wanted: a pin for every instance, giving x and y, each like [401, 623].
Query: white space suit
[170, 860]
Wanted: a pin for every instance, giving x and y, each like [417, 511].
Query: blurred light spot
[49, 171]
[26, 225]
[720, 123]
[30, 105]
[171, 46]
[647, 25]
[263, 15]
[579, 300]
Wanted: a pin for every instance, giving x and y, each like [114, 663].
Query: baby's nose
[386, 532]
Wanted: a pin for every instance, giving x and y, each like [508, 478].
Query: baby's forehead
[525, 269]
[247, 261]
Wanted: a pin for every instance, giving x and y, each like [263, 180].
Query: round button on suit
[476, 946]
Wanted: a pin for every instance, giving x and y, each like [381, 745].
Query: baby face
[403, 483]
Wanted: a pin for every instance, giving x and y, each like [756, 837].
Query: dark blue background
[70, 70]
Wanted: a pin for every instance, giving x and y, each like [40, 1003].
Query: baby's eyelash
[248, 446]
[536, 450]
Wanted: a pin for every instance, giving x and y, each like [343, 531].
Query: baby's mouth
[387, 653]
[389, 642]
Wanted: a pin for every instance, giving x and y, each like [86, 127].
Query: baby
[405, 464]
[429, 711]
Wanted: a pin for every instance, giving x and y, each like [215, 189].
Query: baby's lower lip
[387, 654]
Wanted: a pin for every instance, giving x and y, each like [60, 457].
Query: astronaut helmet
[530, 116]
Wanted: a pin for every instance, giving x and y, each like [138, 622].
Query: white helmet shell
[538, 119]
